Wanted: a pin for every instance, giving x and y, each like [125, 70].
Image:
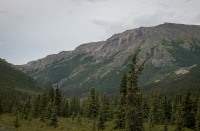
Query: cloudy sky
[32, 29]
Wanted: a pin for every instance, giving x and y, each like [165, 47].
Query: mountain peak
[165, 48]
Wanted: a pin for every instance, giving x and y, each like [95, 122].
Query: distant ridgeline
[14, 83]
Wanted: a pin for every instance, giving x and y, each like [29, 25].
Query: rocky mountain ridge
[166, 48]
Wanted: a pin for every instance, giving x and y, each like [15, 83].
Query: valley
[146, 78]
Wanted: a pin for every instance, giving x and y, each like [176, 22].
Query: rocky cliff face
[165, 48]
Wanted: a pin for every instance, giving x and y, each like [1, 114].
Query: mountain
[170, 50]
[15, 83]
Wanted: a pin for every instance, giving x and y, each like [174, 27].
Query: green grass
[65, 124]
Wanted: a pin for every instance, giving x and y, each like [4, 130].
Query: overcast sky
[32, 29]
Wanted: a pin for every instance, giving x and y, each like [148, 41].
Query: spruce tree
[111, 110]
[123, 90]
[175, 104]
[51, 95]
[35, 106]
[152, 112]
[74, 105]
[58, 100]
[188, 111]
[105, 108]
[92, 111]
[97, 101]
[145, 109]
[27, 109]
[168, 109]
[101, 120]
[179, 117]
[42, 107]
[48, 112]
[53, 118]
[162, 106]
[120, 113]
[84, 108]
[134, 99]
[65, 109]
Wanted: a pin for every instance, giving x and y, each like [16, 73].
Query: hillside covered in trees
[14, 83]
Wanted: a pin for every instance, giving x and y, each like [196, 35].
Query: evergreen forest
[128, 110]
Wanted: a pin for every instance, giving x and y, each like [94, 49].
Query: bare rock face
[162, 58]
[184, 70]
[186, 46]
[44, 62]
[92, 47]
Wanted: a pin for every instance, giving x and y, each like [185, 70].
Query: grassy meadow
[64, 124]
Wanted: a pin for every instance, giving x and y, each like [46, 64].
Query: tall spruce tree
[53, 118]
[168, 110]
[188, 111]
[179, 117]
[42, 107]
[84, 107]
[134, 99]
[35, 106]
[65, 109]
[101, 120]
[92, 111]
[48, 112]
[120, 113]
[27, 109]
[175, 103]
[152, 118]
[162, 105]
[74, 105]
[51, 95]
[105, 108]
[58, 100]
[145, 109]
[97, 101]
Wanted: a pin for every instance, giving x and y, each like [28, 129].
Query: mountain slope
[165, 48]
[15, 83]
